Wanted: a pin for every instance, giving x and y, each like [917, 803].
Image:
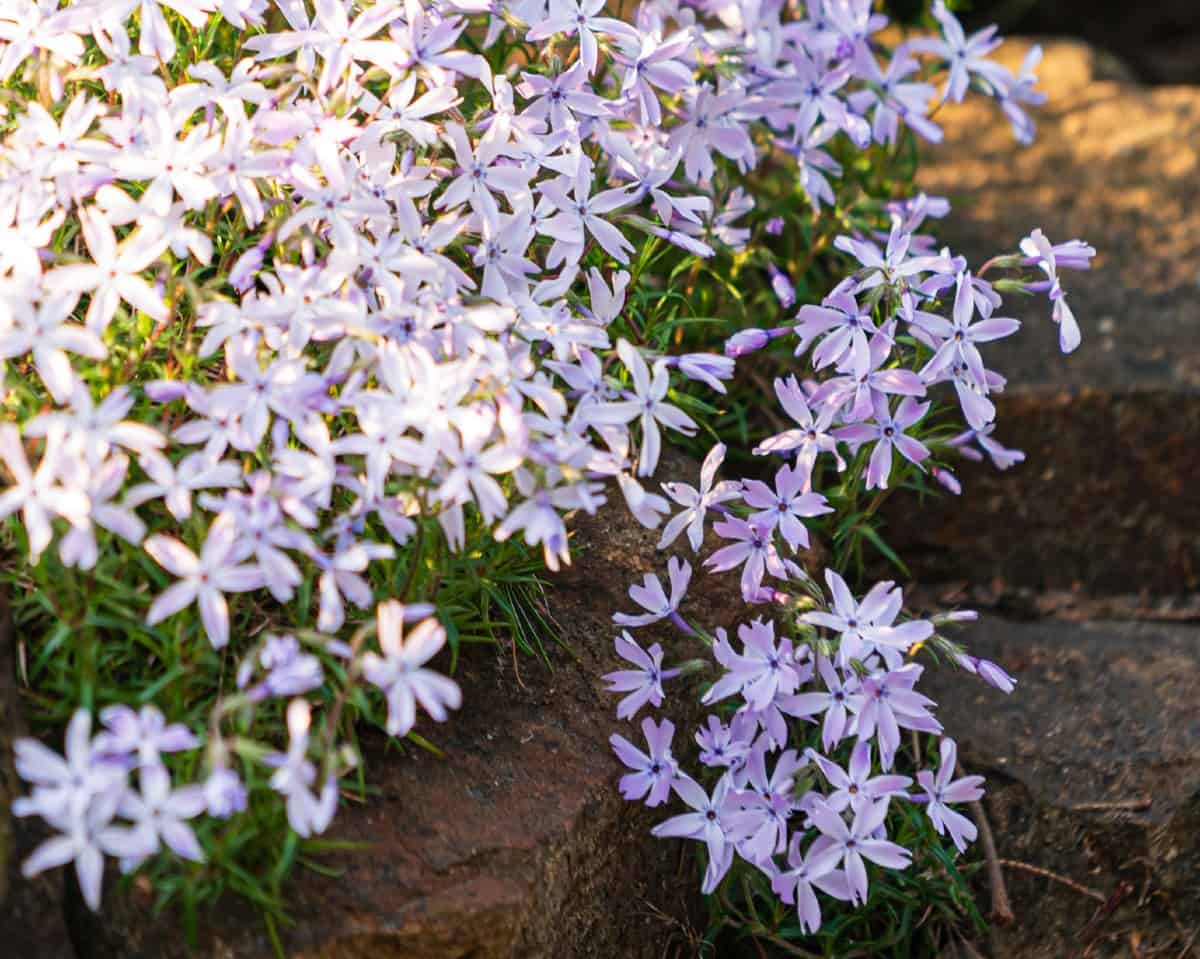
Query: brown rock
[31, 918]
[1114, 163]
[1093, 768]
[1105, 502]
[516, 844]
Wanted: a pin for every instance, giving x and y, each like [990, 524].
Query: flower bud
[747, 341]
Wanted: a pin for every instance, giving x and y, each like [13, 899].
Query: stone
[31, 914]
[1093, 768]
[514, 844]
[1115, 163]
[1160, 40]
[1104, 503]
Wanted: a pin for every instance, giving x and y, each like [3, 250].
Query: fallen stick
[1047, 874]
[1001, 905]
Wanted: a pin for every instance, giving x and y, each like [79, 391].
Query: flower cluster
[299, 298]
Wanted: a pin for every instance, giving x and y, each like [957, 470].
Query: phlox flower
[811, 438]
[753, 548]
[797, 884]
[763, 671]
[145, 732]
[653, 772]
[887, 432]
[698, 501]
[784, 506]
[114, 273]
[651, 596]
[1075, 255]
[308, 813]
[885, 702]
[159, 816]
[204, 579]
[856, 843]
[833, 701]
[400, 671]
[854, 787]
[643, 684]
[942, 788]
[45, 331]
[647, 404]
[965, 56]
[707, 823]
[582, 17]
[78, 794]
[39, 494]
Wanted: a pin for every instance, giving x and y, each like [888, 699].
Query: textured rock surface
[1104, 504]
[514, 845]
[31, 915]
[1115, 163]
[1093, 769]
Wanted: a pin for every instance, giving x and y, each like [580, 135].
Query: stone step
[1093, 767]
[1104, 504]
[1115, 163]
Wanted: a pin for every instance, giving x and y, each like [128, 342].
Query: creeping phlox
[378, 255]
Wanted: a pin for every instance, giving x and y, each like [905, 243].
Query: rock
[1093, 768]
[515, 844]
[1160, 40]
[31, 919]
[1114, 163]
[1103, 504]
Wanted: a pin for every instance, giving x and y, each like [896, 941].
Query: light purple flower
[651, 596]
[706, 824]
[643, 684]
[653, 772]
[647, 403]
[888, 433]
[1074, 255]
[866, 627]
[832, 702]
[763, 670]
[942, 788]
[845, 327]
[308, 813]
[854, 786]
[811, 438]
[856, 842]
[145, 732]
[726, 746]
[224, 793]
[204, 579]
[159, 814]
[787, 504]
[796, 884]
[698, 501]
[753, 549]
[886, 702]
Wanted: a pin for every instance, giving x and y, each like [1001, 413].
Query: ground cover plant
[319, 319]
